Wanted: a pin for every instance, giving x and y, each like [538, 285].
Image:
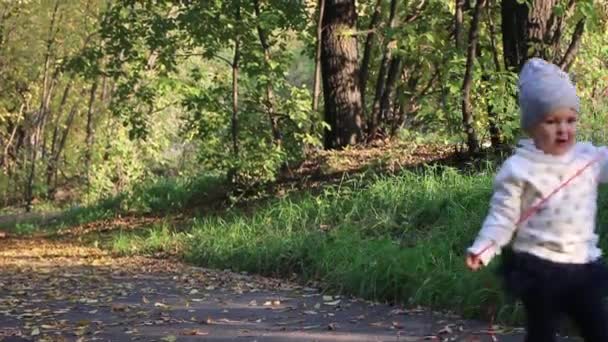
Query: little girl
[545, 194]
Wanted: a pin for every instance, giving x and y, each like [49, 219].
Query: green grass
[400, 239]
[159, 238]
[158, 197]
[392, 238]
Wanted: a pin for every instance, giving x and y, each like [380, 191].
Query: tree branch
[575, 44]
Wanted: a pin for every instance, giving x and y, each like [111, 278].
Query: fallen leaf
[398, 312]
[118, 307]
[334, 303]
[310, 312]
[35, 331]
[398, 325]
[332, 326]
[83, 322]
[170, 338]
[193, 332]
[446, 330]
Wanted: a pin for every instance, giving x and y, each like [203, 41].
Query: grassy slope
[399, 237]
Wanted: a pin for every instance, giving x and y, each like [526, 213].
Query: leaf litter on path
[57, 290]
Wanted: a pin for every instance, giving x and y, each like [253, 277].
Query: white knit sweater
[563, 228]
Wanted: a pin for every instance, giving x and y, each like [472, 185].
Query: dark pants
[550, 290]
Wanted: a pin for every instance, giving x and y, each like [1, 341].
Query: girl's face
[556, 134]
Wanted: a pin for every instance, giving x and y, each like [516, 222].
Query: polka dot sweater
[562, 229]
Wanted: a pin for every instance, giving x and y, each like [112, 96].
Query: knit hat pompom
[543, 88]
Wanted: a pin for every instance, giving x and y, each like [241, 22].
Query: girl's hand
[473, 262]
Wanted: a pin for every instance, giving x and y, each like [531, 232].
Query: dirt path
[55, 291]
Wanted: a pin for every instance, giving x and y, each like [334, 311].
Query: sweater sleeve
[501, 221]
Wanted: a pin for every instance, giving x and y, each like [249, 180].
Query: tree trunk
[536, 32]
[38, 118]
[575, 44]
[385, 103]
[269, 101]
[381, 81]
[458, 24]
[539, 30]
[51, 174]
[514, 22]
[235, 85]
[51, 160]
[367, 51]
[494, 128]
[234, 123]
[339, 61]
[467, 112]
[316, 87]
[90, 132]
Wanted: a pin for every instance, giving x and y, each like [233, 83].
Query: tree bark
[54, 163]
[51, 161]
[367, 51]
[534, 31]
[90, 132]
[269, 101]
[467, 112]
[316, 87]
[38, 118]
[458, 24]
[539, 28]
[235, 85]
[514, 22]
[575, 44]
[386, 107]
[339, 63]
[494, 128]
[381, 81]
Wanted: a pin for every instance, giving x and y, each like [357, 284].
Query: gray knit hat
[544, 87]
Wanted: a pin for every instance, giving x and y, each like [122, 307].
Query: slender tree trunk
[317, 79]
[467, 112]
[575, 44]
[90, 132]
[458, 24]
[514, 41]
[556, 37]
[339, 61]
[493, 44]
[235, 88]
[51, 160]
[385, 102]
[269, 101]
[367, 51]
[381, 81]
[38, 118]
[494, 128]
